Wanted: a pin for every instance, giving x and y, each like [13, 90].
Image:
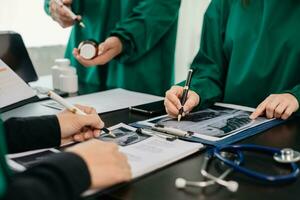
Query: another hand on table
[107, 166]
[280, 106]
[173, 104]
[107, 50]
[79, 128]
[59, 15]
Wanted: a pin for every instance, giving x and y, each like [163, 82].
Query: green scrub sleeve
[210, 65]
[147, 24]
[296, 92]
[46, 6]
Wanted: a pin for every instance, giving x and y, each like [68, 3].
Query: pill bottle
[60, 64]
[88, 49]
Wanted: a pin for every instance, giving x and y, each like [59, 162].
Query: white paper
[145, 153]
[12, 88]
[110, 100]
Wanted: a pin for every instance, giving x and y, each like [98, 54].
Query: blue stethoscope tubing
[237, 149]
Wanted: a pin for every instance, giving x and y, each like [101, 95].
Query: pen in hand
[185, 93]
[72, 15]
[73, 109]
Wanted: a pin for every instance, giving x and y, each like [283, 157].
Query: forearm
[62, 176]
[24, 134]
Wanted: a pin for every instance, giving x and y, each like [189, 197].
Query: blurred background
[46, 40]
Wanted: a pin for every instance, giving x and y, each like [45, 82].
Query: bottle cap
[88, 49]
[62, 62]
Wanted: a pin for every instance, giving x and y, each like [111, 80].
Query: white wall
[188, 36]
[28, 18]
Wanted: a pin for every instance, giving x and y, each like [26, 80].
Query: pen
[73, 109]
[152, 133]
[73, 16]
[185, 93]
[172, 131]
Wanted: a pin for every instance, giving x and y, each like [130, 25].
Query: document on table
[213, 124]
[12, 88]
[110, 100]
[145, 153]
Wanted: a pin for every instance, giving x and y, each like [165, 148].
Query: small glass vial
[88, 49]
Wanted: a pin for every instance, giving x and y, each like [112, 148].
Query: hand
[79, 127]
[107, 166]
[106, 52]
[61, 16]
[173, 104]
[277, 106]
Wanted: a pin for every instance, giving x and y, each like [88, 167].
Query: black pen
[185, 93]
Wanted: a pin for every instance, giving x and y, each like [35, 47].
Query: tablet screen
[13, 52]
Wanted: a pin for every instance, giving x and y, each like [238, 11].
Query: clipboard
[241, 133]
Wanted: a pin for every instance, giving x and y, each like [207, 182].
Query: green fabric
[147, 29]
[248, 52]
[3, 165]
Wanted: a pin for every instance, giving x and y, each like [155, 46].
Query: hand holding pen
[61, 12]
[175, 102]
[76, 110]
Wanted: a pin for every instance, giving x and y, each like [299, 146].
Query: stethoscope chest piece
[287, 156]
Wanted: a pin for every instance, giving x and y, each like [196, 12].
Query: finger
[92, 121]
[67, 2]
[84, 62]
[192, 101]
[78, 137]
[288, 112]
[171, 109]
[271, 106]
[280, 109]
[172, 96]
[96, 133]
[259, 110]
[104, 58]
[87, 109]
[88, 135]
[101, 48]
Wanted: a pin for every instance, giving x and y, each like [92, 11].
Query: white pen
[172, 131]
[73, 16]
[73, 109]
[157, 134]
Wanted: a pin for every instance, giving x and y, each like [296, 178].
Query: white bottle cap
[62, 62]
[88, 50]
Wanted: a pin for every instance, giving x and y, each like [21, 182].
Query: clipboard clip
[172, 131]
[151, 132]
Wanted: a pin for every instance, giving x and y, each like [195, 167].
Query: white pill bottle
[64, 76]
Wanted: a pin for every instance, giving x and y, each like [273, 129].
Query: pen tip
[82, 25]
[111, 133]
[179, 118]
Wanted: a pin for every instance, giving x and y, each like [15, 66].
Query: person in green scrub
[139, 35]
[249, 55]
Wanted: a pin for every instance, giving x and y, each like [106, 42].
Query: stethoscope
[232, 156]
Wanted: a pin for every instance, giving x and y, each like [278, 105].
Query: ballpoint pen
[185, 93]
[73, 109]
[73, 16]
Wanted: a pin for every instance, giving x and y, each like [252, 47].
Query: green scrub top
[248, 52]
[147, 29]
[3, 165]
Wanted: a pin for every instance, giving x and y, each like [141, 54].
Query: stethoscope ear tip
[232, 186]
[180, 183]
